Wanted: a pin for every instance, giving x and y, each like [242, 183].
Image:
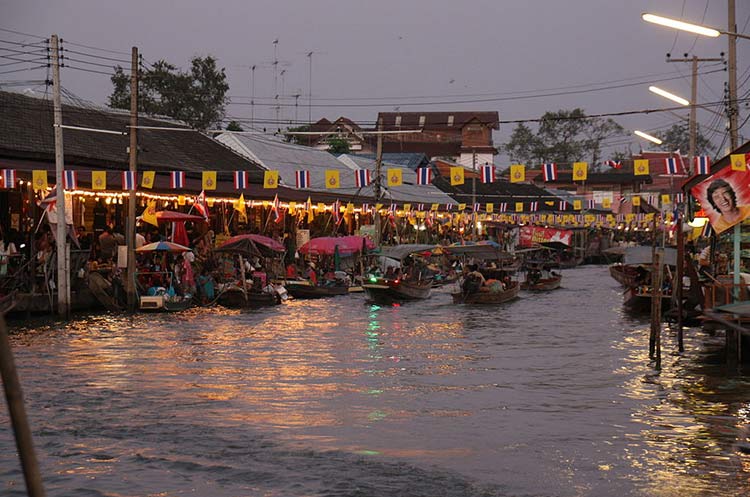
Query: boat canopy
[400, 252]
[642, 255]
[485, 252]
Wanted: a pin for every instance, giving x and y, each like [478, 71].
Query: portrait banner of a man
[725, 197]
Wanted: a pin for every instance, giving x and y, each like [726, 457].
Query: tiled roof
[410, 160]
[438, 120]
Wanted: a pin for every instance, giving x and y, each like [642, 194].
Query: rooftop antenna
[276, 76]
[252, 96]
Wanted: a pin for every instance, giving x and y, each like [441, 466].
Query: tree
[299, 139]
[523, 147]
[234, 126]
[678, 138]
[338, 146]
[197, 97]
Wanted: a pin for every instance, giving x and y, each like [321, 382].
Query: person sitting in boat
[310, 274]
[291, 271]
[534, 276]
[474, 280]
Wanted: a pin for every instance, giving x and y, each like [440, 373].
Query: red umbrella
[326, 245]
[240, 242]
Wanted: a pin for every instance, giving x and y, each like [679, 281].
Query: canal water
[551, 395]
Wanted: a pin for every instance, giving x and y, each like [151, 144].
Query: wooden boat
[396, 290]
[546, 282]
[164, 303]
[486, 296]
[235, 297]
[301, 289]
[624, 274]
[638, 299]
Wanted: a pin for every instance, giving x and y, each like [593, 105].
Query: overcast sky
[371, 56]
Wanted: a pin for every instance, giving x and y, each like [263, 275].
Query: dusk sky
[519, 58]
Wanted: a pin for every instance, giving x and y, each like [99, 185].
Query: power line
[101, 57]
[24, 69]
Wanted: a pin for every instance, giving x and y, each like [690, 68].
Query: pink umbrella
[240, 242]
[326, 245]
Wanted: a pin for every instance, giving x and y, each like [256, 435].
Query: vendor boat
[396, 290]
[488, 294]
[303, 289]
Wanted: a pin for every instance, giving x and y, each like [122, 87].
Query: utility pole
[309, 91]
[474, 191]
[130, 237]
[252, 96]
[732, 109]
[378, 164]
[692, 122]
[63, 275]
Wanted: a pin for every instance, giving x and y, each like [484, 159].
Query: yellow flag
[210, 201]
[517, 173]
[394, 177]
[148, 179]
[181, 200]
[349, 208]
[434, 207]
[461, 207]
[271, 179]
[40, 179]
[209, 180]
[310, 213]
[407, 207]
[457, 176]
[577, 205]
[489, 208]
[606, 203]
[666, 198]
[640, 167]
[519, 205]
[738, 162]
[378, 207]
[580, 171]
[636, 200]
[240, 207]
[98, 180]
[321, 207]
[332, 178]
[149, 215]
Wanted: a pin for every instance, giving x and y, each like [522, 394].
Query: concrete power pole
[130, 237]
[733, 108]
[63, 274]
[378, 165]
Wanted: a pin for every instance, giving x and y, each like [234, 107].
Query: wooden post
[677, 285]
[17, 411]
[655, 337]
[130, 235]
[63, 275]
[378, 165]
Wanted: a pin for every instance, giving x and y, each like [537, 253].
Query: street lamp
[666, 94]
[686, 26]
[648, 137]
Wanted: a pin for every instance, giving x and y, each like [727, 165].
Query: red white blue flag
[703, 164]
[363, 177]
[275, 208]
[240, 180]
[449, 207]
[590, 204]
[488, 173]
[303, 179]
[128, 180]
[503, 206]
[477, 206]
[614, 164]
[671, 165]
[70, 180]
[550, 171]
[9, 178]
[177, 179]
[420, 207]
[563, 205]
[534, 206]
[392, 208]
[365, 208]
[679, 198]
[424, 175]
[336, 212]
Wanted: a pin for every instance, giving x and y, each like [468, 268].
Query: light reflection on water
[551, 394]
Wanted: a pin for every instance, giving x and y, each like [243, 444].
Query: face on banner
[725, 196]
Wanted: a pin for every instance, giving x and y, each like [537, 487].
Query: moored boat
[544, 283]
[302, 289]
[488, 295]
[164, 303]
[626, 275]
[236, 297]
[395, 290]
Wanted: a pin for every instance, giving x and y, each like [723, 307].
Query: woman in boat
[473, 281]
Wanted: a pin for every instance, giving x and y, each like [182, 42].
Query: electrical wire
[118, 52]
[101, 57]
[89, 63]
[24, 69]
[86, 70]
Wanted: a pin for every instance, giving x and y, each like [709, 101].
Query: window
[450, 120]
[422, 119]
[398, 120]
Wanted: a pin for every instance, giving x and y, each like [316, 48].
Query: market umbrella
[163, 247]
[174, 216]
[248, 244]
[328, 245]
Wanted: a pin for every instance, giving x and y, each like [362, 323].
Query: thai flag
[562, 206]
[534, 206]
[477, 206]
[420, 207]
[550, 171]
[177, 179]
[392, 208]
[303, 179]
[703, 164]
[365, 208]
[200, 204]
[449, 207]
[276, 210]
[679, 198]
[671, 164]
[503, 206]
[590, 204]
[424, 175]
[9, 178]
[240, 180]
[579, 218]
[707, 230]
[614, 164]
[488, 173]
[48, 203]
[651, 200]
[70, 180]
[363, 177]
[128, 180]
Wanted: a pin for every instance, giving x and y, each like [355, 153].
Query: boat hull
[236, 298]
[306, 291]
[543, 285]
[396, 291]
[159, 303]
[488, 297]
[624, 275]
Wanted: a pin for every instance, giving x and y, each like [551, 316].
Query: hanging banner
[530, 235]
[725, 197]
